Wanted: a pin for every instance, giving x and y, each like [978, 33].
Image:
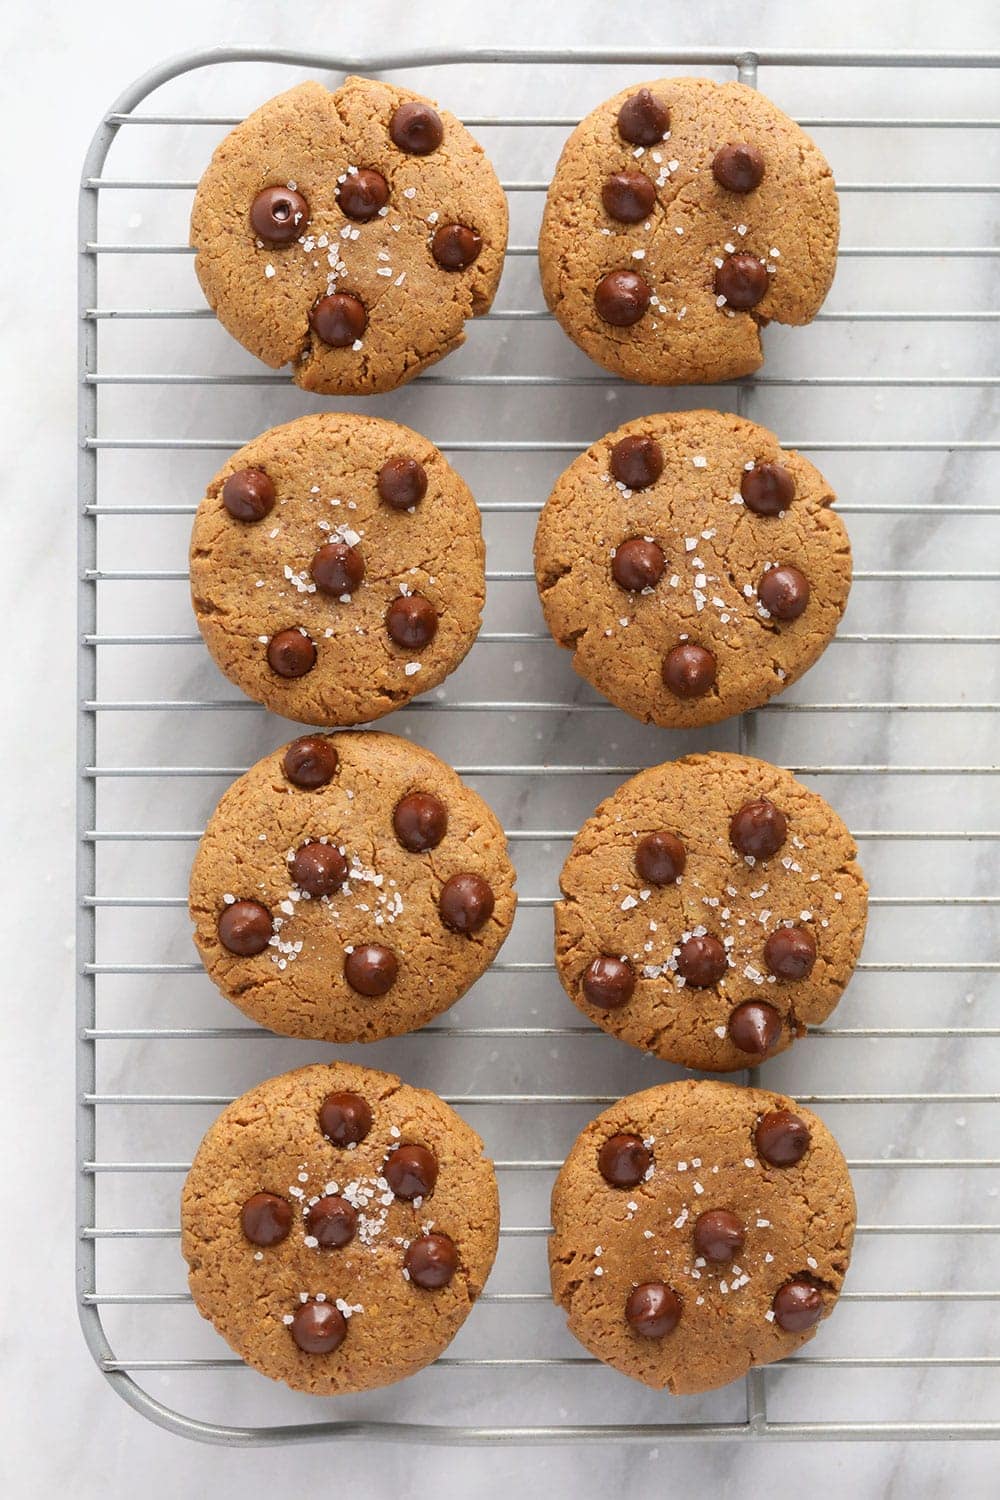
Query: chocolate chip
[767, 489]
[758, 828]
[411, 1172]
[266, 1219]
[742, 280]
[790, 952]
[660, 858]
[455, 246]
[702, 961]
[412, 621]
[416, 128]
[718, 1235]
[781, 1138]
[248, 495]
[621, 298]
[643, 119]
[332, 1221]
[339, 319]
[318, 1327]
[319, 869]
[291, 654]
[628, 196]
[337, 568]
[345, 1118]
[755, 1028]
[245, 928]
[609, 982]
[466, 902]
[637, 461]
[738, 167]
[402, 483]
[784, 592]
[310, 762]
[637, 564]
[689, 671]
[653, 1310]
[431, 1261]
[420, 821]
[371, 969]
[278, 215]
[623, 1160]
[797, 1305]
[362, 194]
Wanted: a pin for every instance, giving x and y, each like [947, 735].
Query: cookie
[692, 566]
[712, 910]
[349, 234]
[338, 1225]
[337, 568]
[349, 887]
[683, 216]
[700, 1229]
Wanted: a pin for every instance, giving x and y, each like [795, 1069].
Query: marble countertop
[64, 66]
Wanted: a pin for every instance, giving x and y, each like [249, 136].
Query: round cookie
[700, 1229]
[350, 234]
[349, 887]
[692, 566]
[337, 568]
[338, 1225]
[683, 216]
[712, 910]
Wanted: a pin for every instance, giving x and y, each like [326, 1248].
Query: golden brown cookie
[700, 1229]
[338, 1225]
[350, 887]
[682, 217]
[692, 566]
[337, 568]
[350, 234]
[712, 910]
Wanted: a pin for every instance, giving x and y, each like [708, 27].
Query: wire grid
[907, 1354]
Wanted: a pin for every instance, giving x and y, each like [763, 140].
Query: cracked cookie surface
[387, 614]
[636, 194]
[378, 186]
[350, 887]
[675, 628]
[311, 1254]
[681, 1253]
[706, 955]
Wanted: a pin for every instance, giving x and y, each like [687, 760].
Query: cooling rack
[892, 391]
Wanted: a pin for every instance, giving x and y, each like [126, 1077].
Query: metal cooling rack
[906, 1071]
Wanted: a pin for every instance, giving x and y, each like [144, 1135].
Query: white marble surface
[65, 1430]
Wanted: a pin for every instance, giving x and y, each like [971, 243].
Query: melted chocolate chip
[702, 961]
[245, 928]
[311, 761]
[718, 1235]
[291, 654]
[332, 1221]
[689, 671]
[758, 828]
[609, 982]
[637, 461]
[248, 495]
[318, 1327]
[466, 902]
[416, 128]
[338, 319]
[623, 1160]
[767, 489]
[621, 298]
[345, 1118]
[278, 215]
[412, 621]
[738, 167]
[420, 821]
[742, 280]
[362, 194]
[371, 969]
[402, 483]
[781, 1138]
[784, 592]
[653, 1310]
[411, 1172]
[628, 196]
[266, 1219]
[337, 569]
[755, 1028]
[790, 952]
[643, 120]
[637, 564]
[660, 858]
[431, 1261]
[797, 1305]
[319, 869]
[455, 246]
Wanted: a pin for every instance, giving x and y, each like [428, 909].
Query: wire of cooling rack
[106, 1089]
